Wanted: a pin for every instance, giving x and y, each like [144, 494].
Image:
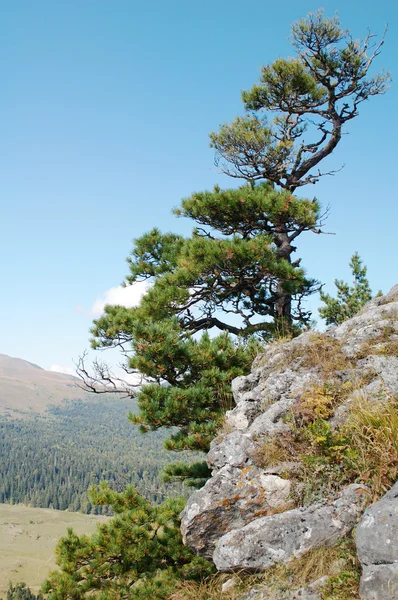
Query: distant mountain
[27, 388]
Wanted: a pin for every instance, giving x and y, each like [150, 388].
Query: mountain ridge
[27, 388]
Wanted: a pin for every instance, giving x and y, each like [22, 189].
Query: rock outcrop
[245, 517]
[228, 500]
[377, 547]
[290, 534]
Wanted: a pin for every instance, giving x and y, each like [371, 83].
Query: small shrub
[314, 403]
[21, 592]
[320, 401]
[364, 450]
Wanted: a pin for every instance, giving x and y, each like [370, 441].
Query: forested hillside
[50, 462]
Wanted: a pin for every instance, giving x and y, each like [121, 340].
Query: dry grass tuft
[211, 589]
[224, 429]
[378, 347]
[318, 352]
[225, 399]
[343, 581]
[285, 448]
[338, 562]
[317, 563]
[372, 429]
[324, 353]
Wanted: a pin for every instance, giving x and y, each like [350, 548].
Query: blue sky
[105, 111]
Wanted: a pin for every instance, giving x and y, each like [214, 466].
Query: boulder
[377, 548]
[230, 499]
[269, 422]
[232, 449]
[386, 368]
[282, 537]
[369, 324]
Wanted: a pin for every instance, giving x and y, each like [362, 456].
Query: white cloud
[64, 370]
[124, 296]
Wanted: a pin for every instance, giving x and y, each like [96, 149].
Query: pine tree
[234, 277]
[21, 592]
[225, 276]
[295, 116]
[138, 554]
[350, 299]
[235, 274]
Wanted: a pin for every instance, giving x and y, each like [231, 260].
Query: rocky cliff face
[303, 453]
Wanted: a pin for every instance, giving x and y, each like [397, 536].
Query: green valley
[27, 541]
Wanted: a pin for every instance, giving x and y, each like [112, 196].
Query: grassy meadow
[28, 537]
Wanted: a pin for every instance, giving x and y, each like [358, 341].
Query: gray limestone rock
[232, 449]
[233, 510]
[269, 423]
[281, 537]
[379, 582]
[370, 323]
[392, 295]
[309, 592]
[283, 385]
[242, 386]
[386, 368]
[242, 415]
[229, 500]
[377, 547]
